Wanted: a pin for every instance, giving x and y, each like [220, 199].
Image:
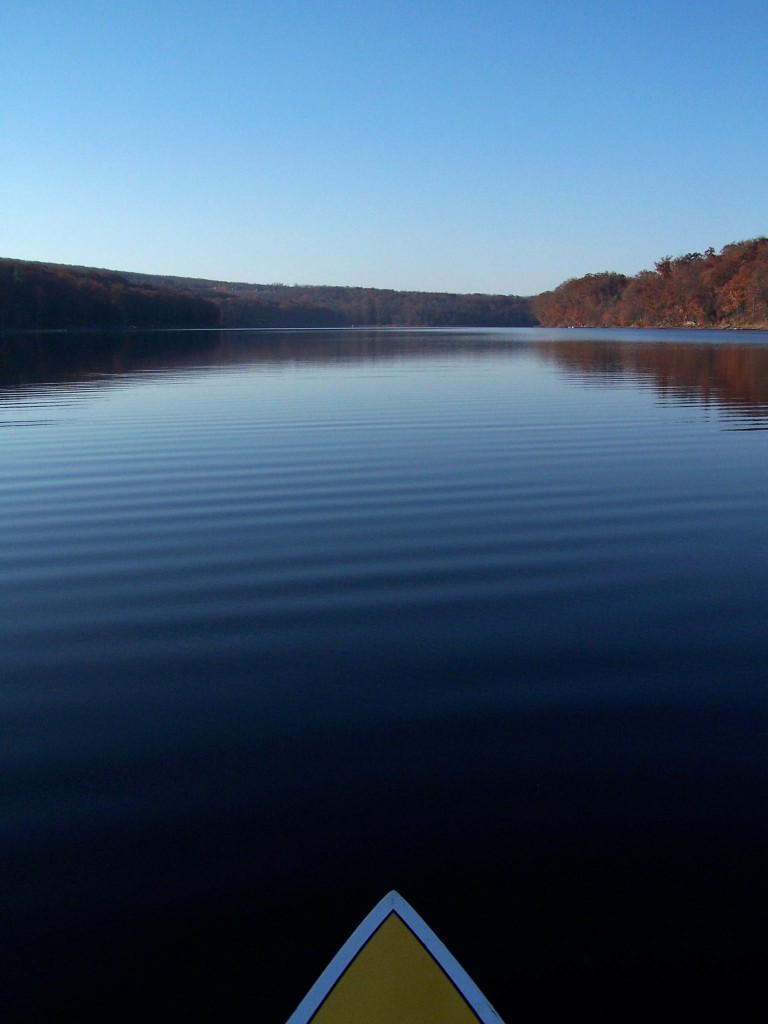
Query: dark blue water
[292, 619]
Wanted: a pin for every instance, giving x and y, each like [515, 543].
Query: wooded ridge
[726, 289]
[39, 295]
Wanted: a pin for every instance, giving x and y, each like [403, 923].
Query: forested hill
[41, 295]
[725, 289]
[282, 305]
[44, 295]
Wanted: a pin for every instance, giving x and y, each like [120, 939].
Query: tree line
[40, 296]
[725, 289]
[282, 305]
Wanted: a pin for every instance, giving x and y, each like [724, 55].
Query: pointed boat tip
[394, 903]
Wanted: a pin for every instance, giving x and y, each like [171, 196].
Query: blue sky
[465, 145]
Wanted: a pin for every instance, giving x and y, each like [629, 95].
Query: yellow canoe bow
[393, 969]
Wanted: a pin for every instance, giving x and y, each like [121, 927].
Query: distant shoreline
[698, 291]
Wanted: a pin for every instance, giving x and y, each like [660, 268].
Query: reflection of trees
[735, 376]
[357, 346]
[728, 374]
[29, 359]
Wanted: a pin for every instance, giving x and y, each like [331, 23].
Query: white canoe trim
[393, 902]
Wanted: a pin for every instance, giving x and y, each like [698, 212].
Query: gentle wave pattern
[330, 612]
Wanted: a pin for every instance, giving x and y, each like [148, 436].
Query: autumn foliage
[726, 289]
[39, 296]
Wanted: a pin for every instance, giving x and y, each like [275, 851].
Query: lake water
[291, 619]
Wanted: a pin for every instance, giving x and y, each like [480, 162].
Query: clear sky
[459, 145]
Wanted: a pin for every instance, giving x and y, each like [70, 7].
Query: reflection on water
[723, 368]
[294, 618]
[27, 360]
[729, 375]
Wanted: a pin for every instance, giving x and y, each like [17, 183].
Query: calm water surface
[291, 619]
